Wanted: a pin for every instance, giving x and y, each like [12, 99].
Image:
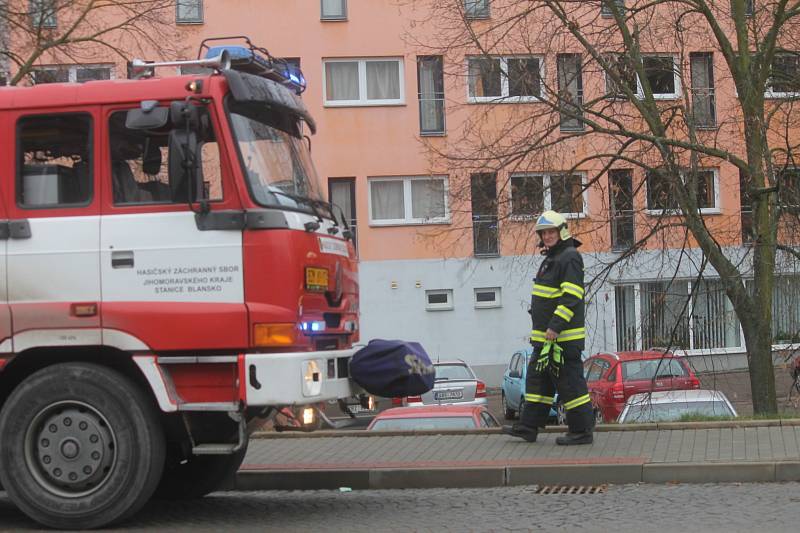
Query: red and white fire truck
[169, 272]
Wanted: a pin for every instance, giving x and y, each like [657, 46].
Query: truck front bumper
[298, 378]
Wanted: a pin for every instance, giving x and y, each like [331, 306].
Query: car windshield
[662, 412]
[411, 424]
[453, 372]
[277, 165]
[647, 369]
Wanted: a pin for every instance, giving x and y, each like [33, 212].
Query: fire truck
[169, 275]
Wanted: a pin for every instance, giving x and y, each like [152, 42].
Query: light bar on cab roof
[245, 59]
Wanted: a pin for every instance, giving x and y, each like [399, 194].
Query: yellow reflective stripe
[537, 335]
[577, 402]
[564, 312]
[572, 334]
[535, 398]
[545, 288]
[566, 286]
[545, 291]
[573, 292]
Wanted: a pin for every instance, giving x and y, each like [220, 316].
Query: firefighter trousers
[540, 389]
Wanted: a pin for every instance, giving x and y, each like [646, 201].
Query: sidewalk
[743, 451]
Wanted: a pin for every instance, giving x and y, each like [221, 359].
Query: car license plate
[316, 279]
[448, 395]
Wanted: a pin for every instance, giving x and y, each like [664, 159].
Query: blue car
[513, 390]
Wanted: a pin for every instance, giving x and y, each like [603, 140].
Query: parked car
[614, 377]
[672, 405]
[512, 393]
[455, 383]
[433, 417]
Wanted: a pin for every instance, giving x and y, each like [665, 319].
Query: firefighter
[558, 338]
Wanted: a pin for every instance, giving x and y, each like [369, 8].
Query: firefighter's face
[550, 237]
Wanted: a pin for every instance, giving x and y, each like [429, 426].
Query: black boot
[522, 431]
[584, 437]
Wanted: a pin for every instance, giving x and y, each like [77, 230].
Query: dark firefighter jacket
[557, 295]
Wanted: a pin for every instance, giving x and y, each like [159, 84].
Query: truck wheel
[200, 475]
[80, 446]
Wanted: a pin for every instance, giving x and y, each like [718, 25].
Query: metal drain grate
[570, 489]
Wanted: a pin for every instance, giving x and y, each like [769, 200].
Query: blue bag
[392, 368]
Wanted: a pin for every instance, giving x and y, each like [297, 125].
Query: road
[771, 507]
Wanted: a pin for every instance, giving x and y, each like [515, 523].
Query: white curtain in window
[786, 309]
[341, 80]
[333, 8]
[431, 101]
[427, 198]
[387, 200]
[341, 196]
[383, 80]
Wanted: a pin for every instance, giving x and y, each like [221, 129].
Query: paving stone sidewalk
[701, 452]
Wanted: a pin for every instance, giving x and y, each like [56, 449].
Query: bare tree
[668, 88]
[54, 32]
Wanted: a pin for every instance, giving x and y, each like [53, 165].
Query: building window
[439, 300]
[564, 193]
[789, 188]
[3, 78]
[54, 161]
[430, 87]
[570, 91]
[683, 315]
[189, 11]
[487, 297]
[784, 79]
[786, 310]
[607, 7]
[476, 9]
[620, 68]
[358, 82]
[749, 7]
[701, 65]
[70, 73]
[333, 9]
[620, 201]
[485, 222]
[510, 79]
[44, 13]
[408, 200]
[661, 197]
[342, 194]
[746, 211]
[662, 76]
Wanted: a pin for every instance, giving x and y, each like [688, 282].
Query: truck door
[5, 312]
[52, 255]
[167, 282]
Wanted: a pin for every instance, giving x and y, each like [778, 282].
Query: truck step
[209, 406]
[215, 449]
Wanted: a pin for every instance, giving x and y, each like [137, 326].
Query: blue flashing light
[246, 59]
[313, 326]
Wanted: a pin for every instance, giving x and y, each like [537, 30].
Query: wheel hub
[71, 448]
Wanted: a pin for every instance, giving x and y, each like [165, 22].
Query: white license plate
[448, 395]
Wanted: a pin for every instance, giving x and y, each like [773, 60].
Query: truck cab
[169, 272]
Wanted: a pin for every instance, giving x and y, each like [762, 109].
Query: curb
[502, 476]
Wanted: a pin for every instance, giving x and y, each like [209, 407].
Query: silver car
[455, 384]
[665, 406]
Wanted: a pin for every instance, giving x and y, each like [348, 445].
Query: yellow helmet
[553, 220]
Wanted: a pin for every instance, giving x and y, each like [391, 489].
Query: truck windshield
[277, 164]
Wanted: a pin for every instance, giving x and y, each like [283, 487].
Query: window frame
[19, 163]
[34, 7]
[547, 195]
[777, 95]
[504, 97]
[447, 306]
[487, 305]
[715, 210]
[72, 70]
[676, 78]
[485, 14]
[605, 9]
[188, 22]
[408, 219]
[362, 82]
[437, 96]
[334, 18]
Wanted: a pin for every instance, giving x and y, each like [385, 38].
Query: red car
[613, 377]
[433, 417]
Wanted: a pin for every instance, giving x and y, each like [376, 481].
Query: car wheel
[598, 417]
[82, 446]
[508, 413]
[561, 414]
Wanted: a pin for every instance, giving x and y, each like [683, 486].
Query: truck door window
[139, 173]
[54, 165]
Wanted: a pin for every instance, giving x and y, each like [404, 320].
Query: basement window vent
[570, 489]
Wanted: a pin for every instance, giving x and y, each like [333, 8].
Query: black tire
[200, 475]
[598, 417]
[80, 446]
[508, 413]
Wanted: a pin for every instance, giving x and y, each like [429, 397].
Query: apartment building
[446, 243]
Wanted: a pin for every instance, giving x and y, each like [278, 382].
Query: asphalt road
[771, 507]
